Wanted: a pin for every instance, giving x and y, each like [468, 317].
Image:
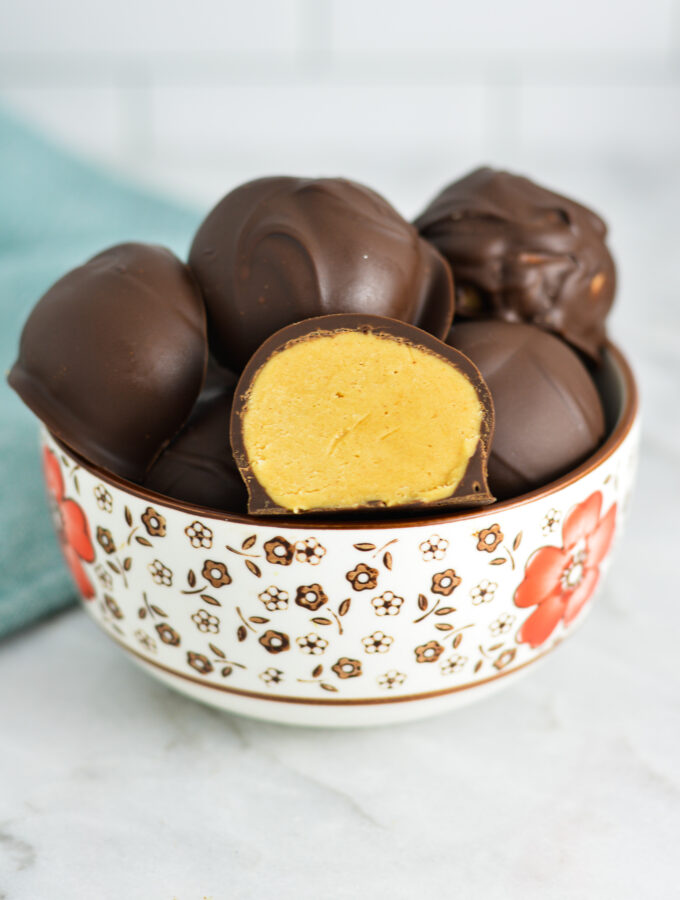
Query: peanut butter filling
[342, 420]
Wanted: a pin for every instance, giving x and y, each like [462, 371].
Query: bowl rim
[622, 428]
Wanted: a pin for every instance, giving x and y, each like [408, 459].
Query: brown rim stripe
[610, 446]
[311, 701]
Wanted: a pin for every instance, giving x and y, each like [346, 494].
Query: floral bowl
[359, 623]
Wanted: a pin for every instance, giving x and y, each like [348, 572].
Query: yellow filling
[339, 420]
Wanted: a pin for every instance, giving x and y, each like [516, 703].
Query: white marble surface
[565, 786]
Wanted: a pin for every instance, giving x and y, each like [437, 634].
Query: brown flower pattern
[502, 624]
[347, 668]
[445, 583]
[429, 653]
[505, 658]
[309, 551]
[550, 521]
[105, 577]
[103, 498]
[105, 540]
[489, 538]
[312, 643]
[216, 573]
[199, 662]
[434, 547]
[145, 640]
[206, 622]
[199, 535]
[391, 679]
[483, 592]
[272, 676]
[113, 607]
[363, 577]
[453, 664]
[160, 573]
[311, 596]
[154, 522]
[275, 641]
[378, 642]
[279, 551]
[387, 604]
[168, 634]
[273, 598]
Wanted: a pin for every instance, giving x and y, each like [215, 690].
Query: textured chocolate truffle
[279, 250]
[198, 466]
[549, 415]
[349, 412]
[522, 253]
[112, 358]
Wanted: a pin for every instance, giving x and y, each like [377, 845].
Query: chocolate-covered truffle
[112, 358]
[348, 412]
[279, 250]
[198, 466]
[522, 253]
[549, 416]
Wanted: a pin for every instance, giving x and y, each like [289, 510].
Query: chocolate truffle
[112, 358]
[522, 253]
[279, 250]
[549, 416]
[349, 412]
[198, 466]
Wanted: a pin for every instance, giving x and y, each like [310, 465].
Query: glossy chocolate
[521, 253]
[112, 358]
[472, 489]
[279, 250]
[549, 416]
[198, 466]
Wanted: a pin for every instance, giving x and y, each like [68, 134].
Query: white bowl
[358, 623]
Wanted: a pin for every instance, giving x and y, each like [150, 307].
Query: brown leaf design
[495, 647]
[113, 567]
[211, 600]
[317, 671]
[319, 620]
[328, 687]
[456, 641]
[76, 484]
[227, 670]
[128, 515]
[258, 620]
[159, 611]
[422, 602]
[242, 633]
[498, 561]
[387, 559]
[517, 541]
[343, 609]
[191, 578]
[444, 626]
[445, 611]
[253, 568]
[364, 547]
[127, 563]
[142, 613]
[143, 541]
[217, 651]
[478, 665]
[248, 543]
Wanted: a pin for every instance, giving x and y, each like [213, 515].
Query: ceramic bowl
[353, 623]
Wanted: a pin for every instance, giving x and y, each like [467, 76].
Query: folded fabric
[55, 212]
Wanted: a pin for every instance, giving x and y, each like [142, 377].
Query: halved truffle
[281, 249]
[349, 412]
[112, 358]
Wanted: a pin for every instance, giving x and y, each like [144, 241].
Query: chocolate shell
[112, 358]
[549, 416]
[198, 466]
[279, 250]
[349, 412]
[521, 253]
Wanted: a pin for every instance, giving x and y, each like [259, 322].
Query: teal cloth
[55, 212]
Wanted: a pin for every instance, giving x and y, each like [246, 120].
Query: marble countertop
[567, 785]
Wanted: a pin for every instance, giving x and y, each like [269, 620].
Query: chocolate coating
[198, 466]
[112, 358]
[472, 490]
[522, 253]
[549, 416]
[279, 250]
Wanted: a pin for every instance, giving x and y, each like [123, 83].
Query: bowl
[345, 623]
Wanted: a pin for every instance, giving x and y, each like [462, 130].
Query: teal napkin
[55, 212]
